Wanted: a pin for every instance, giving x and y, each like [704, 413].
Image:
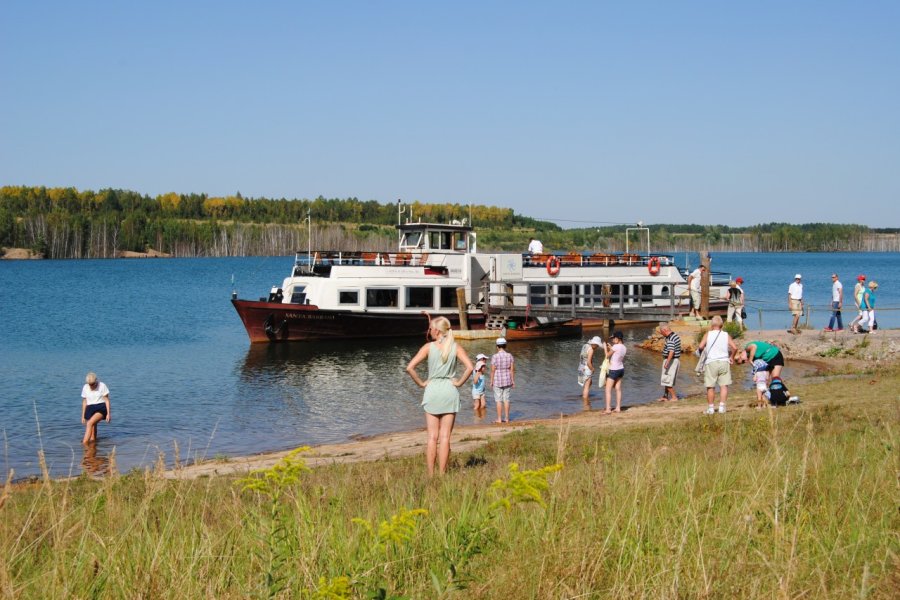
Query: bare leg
[775, 372]
[90, 428]
[506, 410]
[710, 395]
[609, 386]
[723, 393]
[586, 389]
[499, 412]
[619, 395]
[433, 424]
[446, 428]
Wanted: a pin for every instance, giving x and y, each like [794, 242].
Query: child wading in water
[478, 385]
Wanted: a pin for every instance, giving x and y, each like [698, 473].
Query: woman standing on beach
[94, 406]
[441, 398]
[616, 354]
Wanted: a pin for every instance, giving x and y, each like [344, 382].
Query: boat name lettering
[308, 316]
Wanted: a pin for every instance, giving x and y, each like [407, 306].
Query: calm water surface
[165, 339]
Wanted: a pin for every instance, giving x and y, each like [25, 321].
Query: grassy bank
[799, 502]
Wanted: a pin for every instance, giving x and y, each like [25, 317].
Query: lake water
[163, 336]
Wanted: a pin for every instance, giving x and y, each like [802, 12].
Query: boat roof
[454, 226]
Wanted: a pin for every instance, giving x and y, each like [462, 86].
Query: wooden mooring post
[461, 305]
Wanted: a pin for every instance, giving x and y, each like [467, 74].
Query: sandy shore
[843, 351]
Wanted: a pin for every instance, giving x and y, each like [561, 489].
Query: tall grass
[790, 503]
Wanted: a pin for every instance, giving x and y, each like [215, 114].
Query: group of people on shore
[441, 400]
[864, 297]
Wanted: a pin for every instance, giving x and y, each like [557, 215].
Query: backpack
[778, 392]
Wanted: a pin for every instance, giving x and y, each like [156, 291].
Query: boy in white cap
[586, 366]
[503, 379]
[795, 302]
[478, 384]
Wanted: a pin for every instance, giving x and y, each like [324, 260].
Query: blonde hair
[442, 324]
[90, 378]
[873, 285]
[716, 321]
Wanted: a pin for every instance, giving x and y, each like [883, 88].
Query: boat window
[448, 297]
[420, 297]
[298, 294]
[441, 240]
[538, 294]
[646, 293]
[564, 295]
[348, 297]
[381, 297]
[614, 291]
[412, 238]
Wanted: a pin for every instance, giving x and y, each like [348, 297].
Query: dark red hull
[277, 322]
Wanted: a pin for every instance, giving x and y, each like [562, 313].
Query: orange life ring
[653, 265]
[553, 266]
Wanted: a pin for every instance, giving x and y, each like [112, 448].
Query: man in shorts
[671, 361]
[795, 302]
[503, 379]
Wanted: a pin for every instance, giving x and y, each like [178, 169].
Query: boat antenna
[309, 237]
[400, 211]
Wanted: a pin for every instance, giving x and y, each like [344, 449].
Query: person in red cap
[858, 291]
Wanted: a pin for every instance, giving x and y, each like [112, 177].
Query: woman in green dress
[441, 398]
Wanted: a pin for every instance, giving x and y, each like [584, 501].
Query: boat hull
[268, 322]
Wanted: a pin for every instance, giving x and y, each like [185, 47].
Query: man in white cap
[795, 302]
[503, 379]
[586, 366]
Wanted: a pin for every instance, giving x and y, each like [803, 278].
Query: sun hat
[595, 341]
[860, 277]
[480, 356]
[501, 341]
[797, 276]
[479, 364]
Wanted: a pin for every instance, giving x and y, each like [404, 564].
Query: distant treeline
[67, 223]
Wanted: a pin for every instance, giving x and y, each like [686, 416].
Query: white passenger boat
[437, 268]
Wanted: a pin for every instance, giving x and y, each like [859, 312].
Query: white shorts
[762, 386]
[668, 379]
[501, 394]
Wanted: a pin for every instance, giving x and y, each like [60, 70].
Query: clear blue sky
[679, 112]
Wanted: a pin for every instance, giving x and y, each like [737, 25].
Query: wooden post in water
[461, 305]
[704, 285]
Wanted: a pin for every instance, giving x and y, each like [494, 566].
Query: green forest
[68, 223]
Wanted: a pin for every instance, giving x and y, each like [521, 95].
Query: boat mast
[640, 227]
[309, 237]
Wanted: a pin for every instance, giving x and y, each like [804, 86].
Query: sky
[732, 113]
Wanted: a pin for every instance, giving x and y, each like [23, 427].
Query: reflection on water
[94, 464]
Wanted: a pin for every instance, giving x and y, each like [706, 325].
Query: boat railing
[305, 262]
[634, 299]
[576, 259]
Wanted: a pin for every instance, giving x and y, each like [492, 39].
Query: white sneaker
[721, 409]
[710, 411]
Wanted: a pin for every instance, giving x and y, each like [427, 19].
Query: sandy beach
[827, 354]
